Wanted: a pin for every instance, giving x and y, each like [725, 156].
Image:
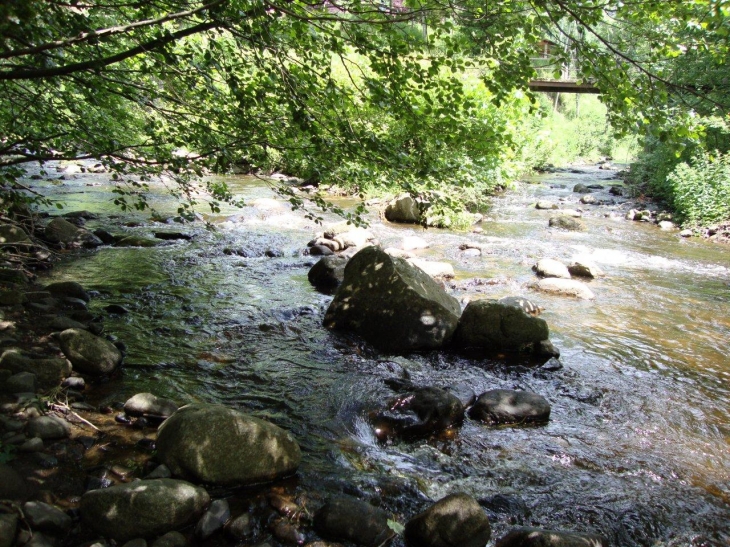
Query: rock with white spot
[392, 304]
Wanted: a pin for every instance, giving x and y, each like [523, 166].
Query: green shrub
[701, 189]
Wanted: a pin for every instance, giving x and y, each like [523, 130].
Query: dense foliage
[426, 96]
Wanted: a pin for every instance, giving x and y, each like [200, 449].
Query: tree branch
[34, 74]
[104, 33]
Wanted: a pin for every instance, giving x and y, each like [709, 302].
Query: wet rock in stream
[422, 411]
[328, 273]
[566, 222]
[565, 287]
[505, 406]
[535, 537]
[500, 325]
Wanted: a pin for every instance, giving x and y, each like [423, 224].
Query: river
[638, 444]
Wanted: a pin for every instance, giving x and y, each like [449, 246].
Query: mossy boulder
[219, 445]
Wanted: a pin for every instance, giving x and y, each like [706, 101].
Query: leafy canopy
[347, 90]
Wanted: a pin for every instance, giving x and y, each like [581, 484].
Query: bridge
[562, 86]
[554, 78]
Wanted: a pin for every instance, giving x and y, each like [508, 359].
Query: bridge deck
[558, 86]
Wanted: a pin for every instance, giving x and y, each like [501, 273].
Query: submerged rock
[143, 508]
[348, 519]
[456, 519]
[535, 537]
[581, 189]
[137, 241]
[421, 412]
[496, 326]
[89, 354]
[506, 406]
[220, 445]
[565, 222]
[392, 304]
[328, 273]
[567, 287]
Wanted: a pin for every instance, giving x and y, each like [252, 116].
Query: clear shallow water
[638, 446]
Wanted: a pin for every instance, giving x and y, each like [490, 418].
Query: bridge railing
[548, 67]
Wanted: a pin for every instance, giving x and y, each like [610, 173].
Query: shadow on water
[637, 447]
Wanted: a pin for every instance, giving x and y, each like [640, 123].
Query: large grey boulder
[392, 304]
[565, 222]
[61, 231]
[496, 325]
[143, 508]
[548, 267]
[403, 209]
[535, 537]
[49, 373]
[149, 405]
[328, 273]
[88, 353]
[456, 519]
[565, 287]
[220, 445]
[348, 519]
[506, 406]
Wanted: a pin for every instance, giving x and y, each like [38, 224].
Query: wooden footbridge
[562, 86]
[556, 78]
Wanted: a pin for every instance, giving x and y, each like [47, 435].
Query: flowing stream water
[638, 444]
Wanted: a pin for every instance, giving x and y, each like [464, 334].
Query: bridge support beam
[556, 86]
